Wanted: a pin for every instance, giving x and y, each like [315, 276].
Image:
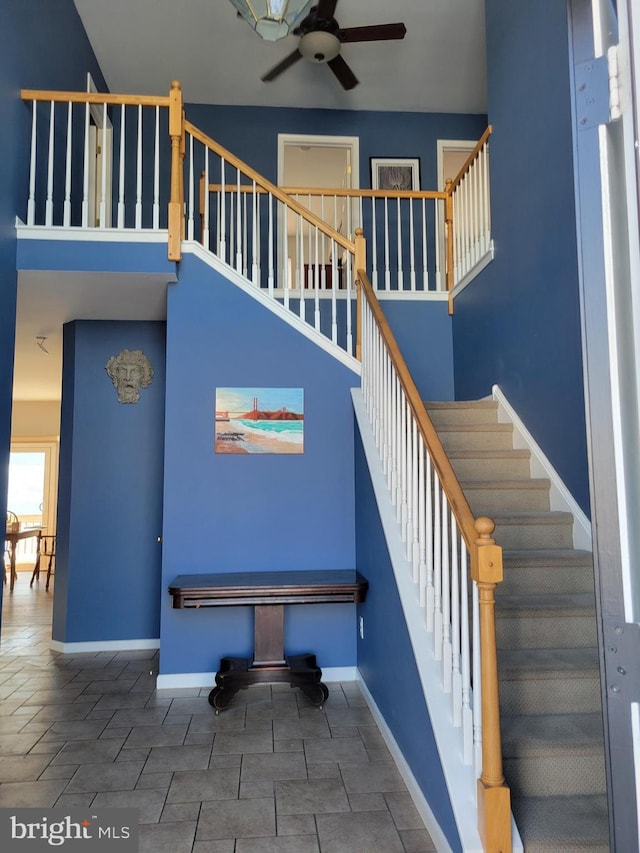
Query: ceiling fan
[321, 39]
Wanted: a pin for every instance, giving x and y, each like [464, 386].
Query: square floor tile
[117, 776]
[237, 819]
[200, 785]
[310, 796]
[363, 832]
[277, 765]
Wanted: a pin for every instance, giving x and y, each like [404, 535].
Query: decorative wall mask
[130, 371]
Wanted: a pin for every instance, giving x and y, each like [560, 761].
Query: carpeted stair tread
[491, 453]
[548, 663]
[535, 558]
[547, 603]
[520, 518]
[481, 427]
[527, 735]
[563, 824]
[541, 484]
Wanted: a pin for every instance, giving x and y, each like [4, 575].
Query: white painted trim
[103, 646]
[97, 235]
[193, 248]
[475, 270]
[459, 777]
[180, 680]
[317, 141]
[412, 295]
[560, 496]
[424, 809]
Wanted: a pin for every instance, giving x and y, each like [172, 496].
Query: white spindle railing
[90, 153]
[445, 548]
[471, 211]
[436, 550]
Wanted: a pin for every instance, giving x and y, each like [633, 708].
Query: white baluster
[286, 279]
[102, 217]
[400, 284]
[437, 569]
[393, 478]
[486, 198]
[239, 252]
[67, 182]
[156, 172]
[139, 172]
[425, 268]
[190, 193]
[316, 315]
[374, 246]
[121, 174]
[467, 711]
[412, 251]
[446, 596]
[302, 308]
[270, 275]
[349, 273]
[429, 538]
[31, 203]
[254, 237]
[387, 271]
[85, 176]
[48, 220]
[205, 213]
[456, 682]
[422, 523]
[415, 504]
[334, 291]
[222, 252]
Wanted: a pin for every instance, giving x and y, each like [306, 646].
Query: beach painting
[259, 420]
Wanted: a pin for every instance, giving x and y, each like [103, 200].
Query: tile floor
[271, 774]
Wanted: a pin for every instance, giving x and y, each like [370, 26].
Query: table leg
[14, 574]
[268, 648]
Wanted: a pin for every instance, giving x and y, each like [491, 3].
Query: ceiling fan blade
[377, 32]
[342, 71]
[325, 9]
[287, 62]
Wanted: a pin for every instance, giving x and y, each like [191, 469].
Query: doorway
[312, 161]
[99, 164]
[452, 155]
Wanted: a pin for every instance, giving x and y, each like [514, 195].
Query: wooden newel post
[360, 264]
[448, 231]
[494, 800]
[176, 208]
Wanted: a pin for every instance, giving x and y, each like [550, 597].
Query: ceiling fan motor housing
[319, 46]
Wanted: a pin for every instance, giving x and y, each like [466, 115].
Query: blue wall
[385, 656]
[110, 489]
[382, 134]
[42, 45]
[518, 324]
[226, 513]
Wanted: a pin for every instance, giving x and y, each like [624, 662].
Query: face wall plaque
[130, 371]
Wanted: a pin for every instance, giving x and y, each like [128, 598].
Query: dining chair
[46, 551]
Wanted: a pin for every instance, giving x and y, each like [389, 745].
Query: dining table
[12, 537]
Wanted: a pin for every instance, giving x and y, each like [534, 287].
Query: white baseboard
[423, 807]
[559, 495]
[180, 680]
[104, 646]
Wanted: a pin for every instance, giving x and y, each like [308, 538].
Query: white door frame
[49, 445]
[100, 163]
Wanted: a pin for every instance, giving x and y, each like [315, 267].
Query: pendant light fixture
[273, 19]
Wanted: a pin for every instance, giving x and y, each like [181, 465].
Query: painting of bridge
[259, 420]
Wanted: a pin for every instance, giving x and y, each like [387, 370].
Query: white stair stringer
[460, 778]
[272, 304]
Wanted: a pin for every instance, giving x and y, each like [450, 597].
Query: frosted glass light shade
[273, 19]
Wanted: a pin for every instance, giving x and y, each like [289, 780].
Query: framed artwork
[259, 420]
[395, 173]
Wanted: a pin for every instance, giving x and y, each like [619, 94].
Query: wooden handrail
[467, 163]
[340, 192]
[95, 98]
[450, 484]
[269, 187]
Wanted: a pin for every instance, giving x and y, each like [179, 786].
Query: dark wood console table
[268, 592]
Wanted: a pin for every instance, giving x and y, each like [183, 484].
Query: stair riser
[560, 775]
[476, 440]
[550, 696]
[533, 632]
[487, 469]
[460, 416]
[561, 580]
[533, 535]
[493, 501]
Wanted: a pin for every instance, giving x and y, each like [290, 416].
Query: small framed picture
[395, 173]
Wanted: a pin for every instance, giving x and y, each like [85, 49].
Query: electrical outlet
[362, 627]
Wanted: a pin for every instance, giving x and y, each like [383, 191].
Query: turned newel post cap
[175, 84]
[359, 232]
[484, 527]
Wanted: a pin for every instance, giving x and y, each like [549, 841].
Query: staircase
[552, 727]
